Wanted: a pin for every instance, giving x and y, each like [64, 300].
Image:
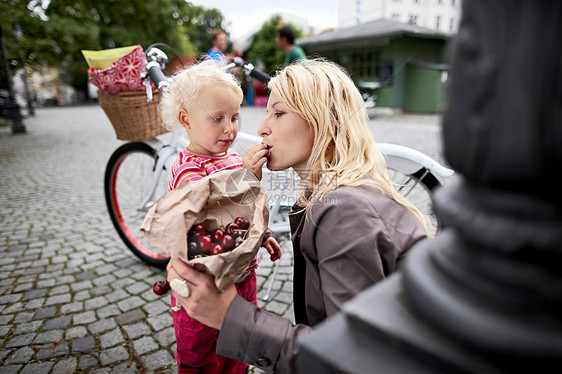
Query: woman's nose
[263, 129]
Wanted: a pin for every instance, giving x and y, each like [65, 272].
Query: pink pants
[197, 343]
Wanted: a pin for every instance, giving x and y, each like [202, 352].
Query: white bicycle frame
[403, 159]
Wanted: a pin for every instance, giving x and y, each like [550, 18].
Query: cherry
[227, 242]
[205, 242]
[242, 222]
[238, 241]
[217, 235]
[200, 229]
[161, 287]
[216, 249]
[193, 249]
[232, 229]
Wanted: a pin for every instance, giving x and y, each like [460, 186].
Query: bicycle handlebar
[157, 75]
[157, 60]
[252, 71]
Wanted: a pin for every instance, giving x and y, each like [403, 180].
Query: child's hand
[274, 249]
[255, 158]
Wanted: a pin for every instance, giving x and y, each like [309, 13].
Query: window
[395, 16]
[437, 22]
[413, 19]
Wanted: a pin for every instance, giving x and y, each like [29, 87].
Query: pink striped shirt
[193, 167]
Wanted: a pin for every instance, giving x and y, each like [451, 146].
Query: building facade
[439, 15]
[404, 62]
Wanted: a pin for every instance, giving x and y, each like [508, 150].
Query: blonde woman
[349, 228]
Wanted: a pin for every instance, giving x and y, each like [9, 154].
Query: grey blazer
[350, 239]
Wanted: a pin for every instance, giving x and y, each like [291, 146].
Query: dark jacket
[350, 239]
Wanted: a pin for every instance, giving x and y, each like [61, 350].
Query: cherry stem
[247, 231]
[220, 208]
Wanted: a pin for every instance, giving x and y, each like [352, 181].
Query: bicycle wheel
[417, 188]
[128, 179]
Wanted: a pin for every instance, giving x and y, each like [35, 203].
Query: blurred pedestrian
[219, 41]
[285, 39]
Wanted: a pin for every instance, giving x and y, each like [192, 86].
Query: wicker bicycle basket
[132, 117]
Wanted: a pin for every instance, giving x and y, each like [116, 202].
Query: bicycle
[137, 173]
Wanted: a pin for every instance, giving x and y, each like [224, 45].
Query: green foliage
[56, 35]
[264, 48]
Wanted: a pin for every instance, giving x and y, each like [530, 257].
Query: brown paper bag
[238, 193]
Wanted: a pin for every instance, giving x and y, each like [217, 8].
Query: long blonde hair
[344, 149]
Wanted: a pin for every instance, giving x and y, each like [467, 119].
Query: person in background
[219, 41]
[350, 227]
[285, 39]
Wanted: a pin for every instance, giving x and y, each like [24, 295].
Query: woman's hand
[255, 158]
[205, 303]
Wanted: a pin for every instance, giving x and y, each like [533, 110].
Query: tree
[264, 49]
[55, 35]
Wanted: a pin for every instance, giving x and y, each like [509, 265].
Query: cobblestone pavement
[72, 296]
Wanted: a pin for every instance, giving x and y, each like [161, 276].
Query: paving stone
[95, 303]
[157, 360]
[130, 303]
[87, 361]
[100, 326]
[79, 286]
[144, 345]
[72, 307]
[60, 290]
[83, 318]
[34, 368]
[166, 336]
[58, 323]
[132, 316]
[111, 338]
[50, 336]
[112, 355]
[85, 344]
[20, 356]
[48, 352]
[66, 366]
[11, 369]
[10, 299]
[6, 319]
[33, 294]
[24, 328]
[21, 340]
[24, 317]
[76, 332]
[137, 329]
[35, 303]
[160, 321]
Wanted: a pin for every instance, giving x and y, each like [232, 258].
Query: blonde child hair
[344, 149]
[186, 85]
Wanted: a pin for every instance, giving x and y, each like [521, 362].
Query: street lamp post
[19, 33]
[13, 107]
[485, 295]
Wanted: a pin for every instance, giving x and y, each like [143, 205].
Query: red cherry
[242, 222]
[193, 249]
[199, 228]
[216, 249]
[161, 287]
[205, 243]
[217, 235]
[238, 241]
[227, 242]
[231, 229]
